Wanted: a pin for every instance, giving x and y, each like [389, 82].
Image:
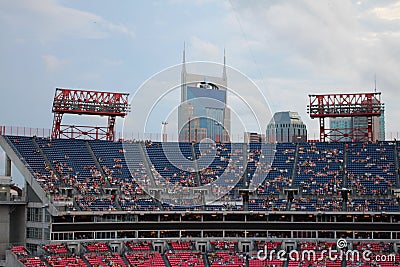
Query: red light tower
[85, 102]
[366, 105]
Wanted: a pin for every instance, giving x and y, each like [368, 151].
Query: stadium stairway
[76, 206]
[396, 163]
[97, 163]
[166, 261]
[345, 178]
[196, 165]
[245, 181]
[288, 204]
[246, 202]
[146, 161]
[86, 261]
[43, 259]
[116, 202]
[206, 261]
[296, 160]
[51, 166]
[293, 176]
[125, 260]
[45, 157]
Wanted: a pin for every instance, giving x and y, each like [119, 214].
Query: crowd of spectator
[219, 253]
[371, 168]
[95, 203]
[100, 180]
[279, 175]
[231, 258]
[373, 204]
[319, 169]
[270, 203]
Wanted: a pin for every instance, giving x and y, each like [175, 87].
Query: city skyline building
[203, 111]
[286, 126]
[345, 126]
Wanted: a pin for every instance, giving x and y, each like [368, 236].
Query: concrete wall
[18, 225]
[12, 226]
[4, 229]
[12, 260]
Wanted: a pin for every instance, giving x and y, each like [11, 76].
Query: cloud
[49, 21]
[390, 12]
[308, 46]
[53, 63]
[291, 48]
[204, 50]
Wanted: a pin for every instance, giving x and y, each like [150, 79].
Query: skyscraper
[203, 111]
[344, 125]
[286, 126]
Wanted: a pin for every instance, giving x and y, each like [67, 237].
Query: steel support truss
[86, 102]
[355, 105]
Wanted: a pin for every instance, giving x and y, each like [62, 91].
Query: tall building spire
[224, 71]
[184, 60]
[184, 53]
[183, 74]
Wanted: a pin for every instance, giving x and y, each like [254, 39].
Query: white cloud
[307, 47]
[53, 63]
[204, 50]
[391, 12]
[49, 21]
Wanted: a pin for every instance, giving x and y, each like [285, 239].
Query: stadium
[92, 199]
[112, 155]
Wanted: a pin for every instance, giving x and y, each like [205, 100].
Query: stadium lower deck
[184, 253]
[85, 206]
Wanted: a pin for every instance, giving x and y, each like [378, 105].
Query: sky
[290, 49]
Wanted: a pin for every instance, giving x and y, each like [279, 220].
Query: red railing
[44, 132]
[24, 131]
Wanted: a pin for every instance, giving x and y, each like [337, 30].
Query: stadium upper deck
[94, 175]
